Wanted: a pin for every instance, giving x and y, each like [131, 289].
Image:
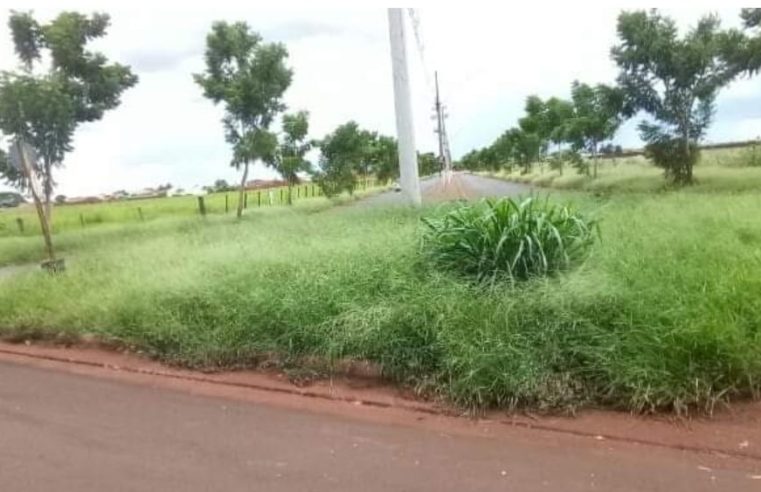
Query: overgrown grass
[508, 239]
[665, 313]
[720, 170]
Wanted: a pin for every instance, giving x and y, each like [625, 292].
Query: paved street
[72, 432]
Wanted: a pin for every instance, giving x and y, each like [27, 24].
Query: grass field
[665, 313]
[71, 217]
[721, 170]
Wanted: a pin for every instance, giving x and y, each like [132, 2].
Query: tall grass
[664, 314]
[508, 239]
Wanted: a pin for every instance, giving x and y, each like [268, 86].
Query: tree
[61, 84]
[291, 158]
[541, 125]
[343, 153]
[675, 80]
[220, 185]
[596, 116]
[470, 161]
[249, 77]
[527, 147]
[558, 112]
[502, 149]
[384, 156]
[428, 164]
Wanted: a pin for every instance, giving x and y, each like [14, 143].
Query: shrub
[508, 239]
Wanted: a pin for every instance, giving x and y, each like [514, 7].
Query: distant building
[258, 184]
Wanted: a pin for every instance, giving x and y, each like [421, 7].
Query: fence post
[298, 192]
[20, 223]
[259, 198]
[227, 204]
[245, 200]
[281, 196]
[140, 213]
[201, 206]
[312, 191]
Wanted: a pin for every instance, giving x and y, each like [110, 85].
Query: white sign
[24, 158]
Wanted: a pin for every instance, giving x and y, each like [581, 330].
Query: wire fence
[22, 220]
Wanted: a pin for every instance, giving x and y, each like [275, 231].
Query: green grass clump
[508, 239]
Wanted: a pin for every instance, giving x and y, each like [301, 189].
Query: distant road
[462, 186]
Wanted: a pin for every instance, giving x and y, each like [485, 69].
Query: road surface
[66, 432]
[462, 186]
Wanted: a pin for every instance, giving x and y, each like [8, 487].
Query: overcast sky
[489, 60]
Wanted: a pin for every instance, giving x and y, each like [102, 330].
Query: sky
[489, 59]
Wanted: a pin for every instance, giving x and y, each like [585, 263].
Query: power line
[420, 45]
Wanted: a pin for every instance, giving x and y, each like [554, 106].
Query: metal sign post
[24, 158]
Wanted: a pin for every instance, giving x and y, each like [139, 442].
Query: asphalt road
[71, 432]
[462, 186]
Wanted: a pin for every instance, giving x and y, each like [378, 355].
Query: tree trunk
[685, 169]
[290, 193]
[241, 196]
[687, 173]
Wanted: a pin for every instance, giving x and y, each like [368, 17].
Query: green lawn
[665, 314]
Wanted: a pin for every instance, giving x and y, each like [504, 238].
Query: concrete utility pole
[439, 122]
[441, 132]
[408, 167]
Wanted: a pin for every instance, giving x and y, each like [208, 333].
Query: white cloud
[489, 60]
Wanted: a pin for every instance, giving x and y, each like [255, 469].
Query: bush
[671, 155]
[508, 239]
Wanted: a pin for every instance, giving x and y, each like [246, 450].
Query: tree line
[673, 79]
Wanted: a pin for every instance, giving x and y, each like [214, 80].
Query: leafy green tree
[533, 128]
[291, 159]
[384, 155]
[61, 84]
[344, 152]
[503, 149]
[527, 147]
[675, 80]
[428, 164]
[596, 116]
[558, 112]
[488, 159]
[470, 161]
[221, 185]
[249, 77]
